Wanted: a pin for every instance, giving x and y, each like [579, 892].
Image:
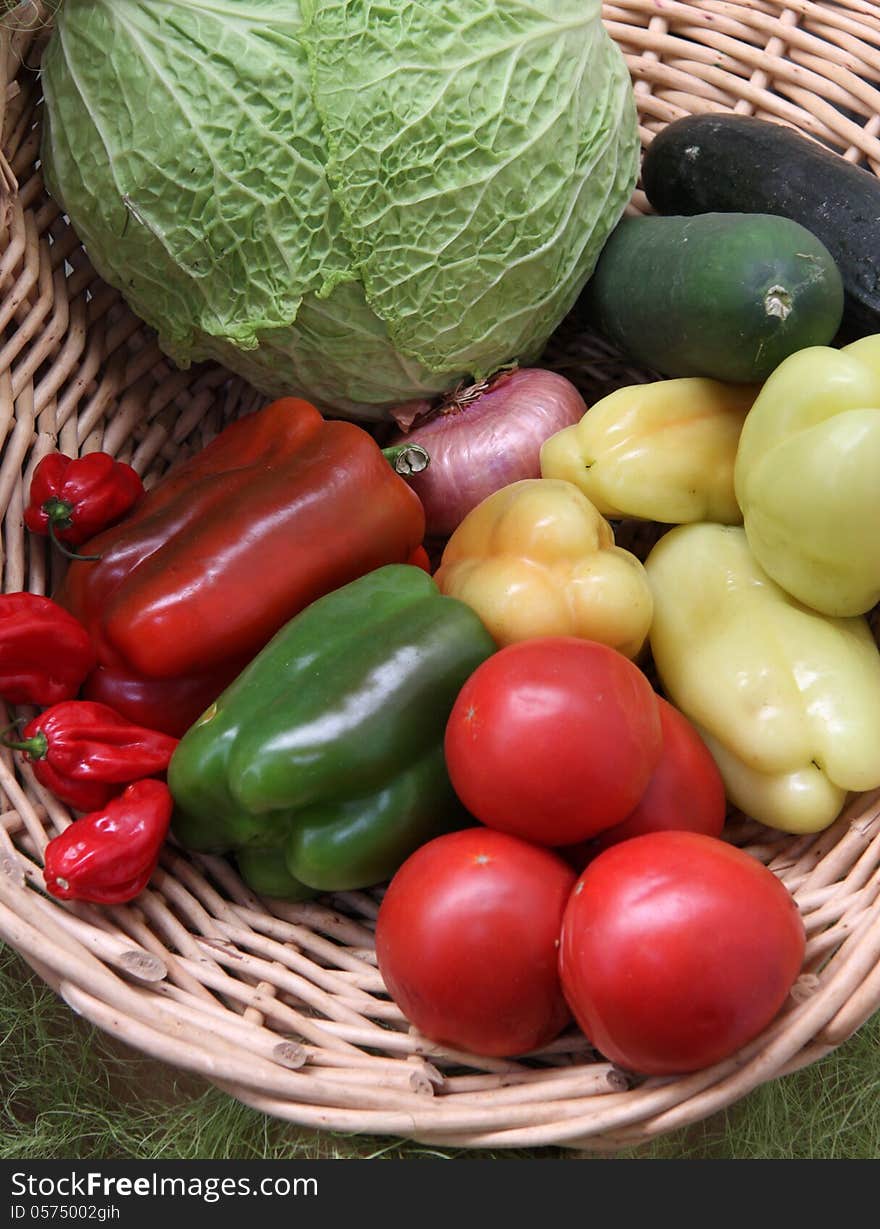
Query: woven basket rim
[282, 1004]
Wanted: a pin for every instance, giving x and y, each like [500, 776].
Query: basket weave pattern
[282, 1005]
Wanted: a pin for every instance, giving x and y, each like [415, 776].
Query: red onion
[484, 437]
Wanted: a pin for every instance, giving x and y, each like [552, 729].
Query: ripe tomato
[553, 739]
[685, 794]
[467, 941]
[677, 949]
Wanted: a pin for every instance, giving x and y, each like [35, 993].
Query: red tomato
[677, 949]
[685, 794]
[467, 941]
[553, 739]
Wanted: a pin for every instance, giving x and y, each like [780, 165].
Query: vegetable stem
[407, 459]
[65, 550]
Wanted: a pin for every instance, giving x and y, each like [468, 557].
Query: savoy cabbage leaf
[359, 202]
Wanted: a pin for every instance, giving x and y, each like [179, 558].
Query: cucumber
[733, 163]
[725, 295]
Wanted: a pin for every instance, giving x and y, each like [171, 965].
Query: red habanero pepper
[280, 508]
[83, 752]
[45, 653]
[73, 498]
[108, 856]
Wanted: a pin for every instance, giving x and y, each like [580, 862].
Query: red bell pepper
[45, 653]
[73, 498]
[83, 752]
[420, 559]
[170, 705]
[108, 856]
[281, 508]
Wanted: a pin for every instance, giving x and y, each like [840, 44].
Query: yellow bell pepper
[537, 559]
[787, 700]
[807, 476]
[660, 452]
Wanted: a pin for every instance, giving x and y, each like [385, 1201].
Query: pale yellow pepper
[662, 451]
[808, 476]
[787, 700]
[537, 559]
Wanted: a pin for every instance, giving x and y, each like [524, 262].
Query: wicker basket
[280, 1004]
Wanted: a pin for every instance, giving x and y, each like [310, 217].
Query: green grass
[69, 1091]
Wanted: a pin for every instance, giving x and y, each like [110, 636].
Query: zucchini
[725, 295]
[734, 163]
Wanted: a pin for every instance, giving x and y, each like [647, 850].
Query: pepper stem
[65, 550]
[406, 459]
[37, 748]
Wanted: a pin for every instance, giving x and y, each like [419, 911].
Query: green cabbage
[362, 202]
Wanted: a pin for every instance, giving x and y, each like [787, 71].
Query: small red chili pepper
[83, 752]
[45, 653]
[74, 498]
[108, 856]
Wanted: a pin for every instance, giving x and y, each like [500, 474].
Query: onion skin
[485, 438]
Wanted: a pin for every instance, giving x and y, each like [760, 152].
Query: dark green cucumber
[734, 163]
[724, 295]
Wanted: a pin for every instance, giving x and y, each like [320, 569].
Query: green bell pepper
[321, 766]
